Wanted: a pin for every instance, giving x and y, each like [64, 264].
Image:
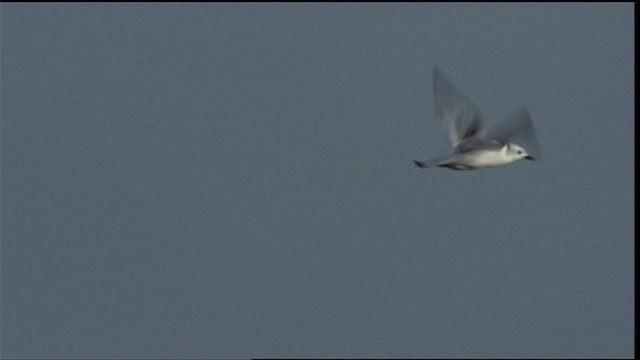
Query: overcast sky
[236, 180]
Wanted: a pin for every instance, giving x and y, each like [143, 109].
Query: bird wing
[479, 145]
[518, 128]
[458, 114]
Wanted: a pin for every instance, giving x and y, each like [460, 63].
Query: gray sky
[236, 180]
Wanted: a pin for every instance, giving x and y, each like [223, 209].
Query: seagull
[473, 146]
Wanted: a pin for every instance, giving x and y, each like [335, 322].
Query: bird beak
[529, 158]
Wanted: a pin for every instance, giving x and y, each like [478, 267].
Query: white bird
[473, 147]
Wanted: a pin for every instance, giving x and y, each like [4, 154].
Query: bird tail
[438, 161]
[420, 164]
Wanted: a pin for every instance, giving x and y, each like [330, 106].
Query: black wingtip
[419, 163]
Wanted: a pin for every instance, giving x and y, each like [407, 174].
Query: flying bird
[473, 146]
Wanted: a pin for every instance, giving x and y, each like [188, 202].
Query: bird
[473, 146]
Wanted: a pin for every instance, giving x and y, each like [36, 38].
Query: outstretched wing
[459, 116]
[518, 128]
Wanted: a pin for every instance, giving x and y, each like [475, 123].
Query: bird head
[518, 152]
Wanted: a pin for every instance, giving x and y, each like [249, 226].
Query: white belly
[477, 159]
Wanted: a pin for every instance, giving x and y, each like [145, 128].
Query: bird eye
[519, 152]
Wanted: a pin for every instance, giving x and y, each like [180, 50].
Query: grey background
[235, 180]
